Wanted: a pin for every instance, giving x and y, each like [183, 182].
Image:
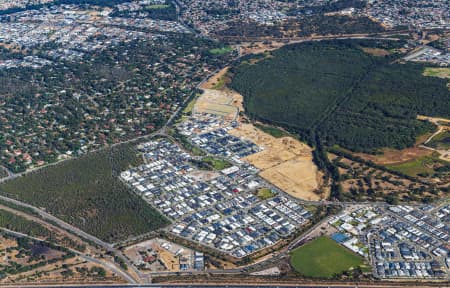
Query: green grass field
[275, 132]
[220, 83]
[188, 109]
[157, 6]
[87, 193]
[437, 72]
[216, 163]
[265, 193]
[324, 258]
[220, 51]
[417, 166]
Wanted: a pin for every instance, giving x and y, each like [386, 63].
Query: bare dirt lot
[297, 177]
[376, 51]
[213, 82]
[392, 156]
[204, 175]
[216, 102]
[285, 162]
[259, 47]
[437, 72]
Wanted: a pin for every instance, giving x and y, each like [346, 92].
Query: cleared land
[437, 72]
[217, 103]
[296, 177]
[424, 165]
[275, 132]
[220, 51]
[392, 156]
[213, 81]
[87, 193]
[259, 47]
[190, 106]
[157, 6]
[218, 82]
[323, 258]
[376, 51]
[285, 162]
[440, 140]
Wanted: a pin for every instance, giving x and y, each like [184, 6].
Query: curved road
[80, 233]
[109, 265]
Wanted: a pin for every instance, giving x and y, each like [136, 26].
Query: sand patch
[298, 177]
[215, 80]
[285, 162]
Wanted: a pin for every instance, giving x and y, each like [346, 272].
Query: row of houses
[75, 30]
[28, 61]
[399, 240]
[201, 123]
[223, 212]
[219, 142]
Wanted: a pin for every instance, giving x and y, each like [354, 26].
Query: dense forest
[19, 224]
[335, 93]
[87, 193]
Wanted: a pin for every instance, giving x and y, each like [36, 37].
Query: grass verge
[265, 193]
[275, 132]
[216, 163]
